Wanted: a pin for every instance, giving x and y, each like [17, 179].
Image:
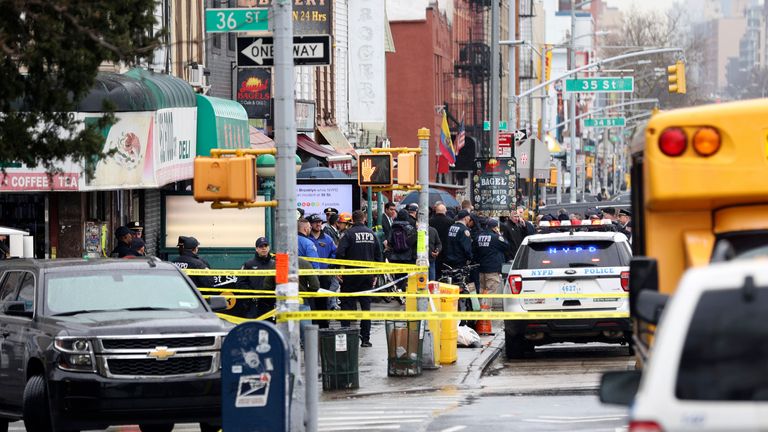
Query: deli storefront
[154, 141]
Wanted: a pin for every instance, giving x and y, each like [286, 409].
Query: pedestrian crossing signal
[374, 169]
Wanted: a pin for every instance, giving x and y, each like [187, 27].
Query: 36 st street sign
[600, 85]
[605, 122]
[236, 20]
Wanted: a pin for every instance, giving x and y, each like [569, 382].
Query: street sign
[487, 125]
[524, 156]
[307, 50]
[600, 85]
[374, 169]
[520, 135]
[605, 122]
[493, 184]
[236, 20]
[504, 148]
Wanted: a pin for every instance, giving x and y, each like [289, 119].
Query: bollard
[310, 372]
[435, 325]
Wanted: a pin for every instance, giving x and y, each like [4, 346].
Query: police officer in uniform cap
[136, 229]
[262, 260]
[188, 259]
[123, 248]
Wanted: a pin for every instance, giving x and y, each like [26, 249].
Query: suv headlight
[75, 354]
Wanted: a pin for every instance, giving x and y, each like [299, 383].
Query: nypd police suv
[586, 259]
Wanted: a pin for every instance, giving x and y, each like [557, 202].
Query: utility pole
[512, 85]
[286, 244]
[572, 103]
[495, 95]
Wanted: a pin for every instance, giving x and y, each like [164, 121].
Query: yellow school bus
[700, 188]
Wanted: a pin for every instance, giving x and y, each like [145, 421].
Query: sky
[641, 4]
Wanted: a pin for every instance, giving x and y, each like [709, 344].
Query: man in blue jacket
[307, 247]
[491, 251]
[326, 248]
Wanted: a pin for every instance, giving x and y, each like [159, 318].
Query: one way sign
[260, 51]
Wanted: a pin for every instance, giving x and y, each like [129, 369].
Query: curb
[481, 363]
[415, 390]
[566, 391]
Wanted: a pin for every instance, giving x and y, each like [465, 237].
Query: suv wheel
[37, 416]
[515, 346]
[165, 427]
[207, 427]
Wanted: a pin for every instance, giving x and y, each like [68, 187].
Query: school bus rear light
[706, 141]
[673, 142]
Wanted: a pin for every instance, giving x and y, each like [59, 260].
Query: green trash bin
[339, 358]
[404, 347]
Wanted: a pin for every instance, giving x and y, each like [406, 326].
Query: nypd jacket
[458, 247]
[491, 251]
[325, 246]
[189, 260]
[358, 243]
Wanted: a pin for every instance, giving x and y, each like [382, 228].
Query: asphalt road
[552, 390]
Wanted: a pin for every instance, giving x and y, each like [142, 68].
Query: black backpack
[399, 239]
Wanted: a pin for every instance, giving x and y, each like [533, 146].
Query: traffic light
[676, 77]
[406, 169]
[374, 169]
[225, 179]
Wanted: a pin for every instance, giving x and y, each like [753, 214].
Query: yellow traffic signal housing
[676, 77]
[225, 179]
[374, 169]
[407, 173]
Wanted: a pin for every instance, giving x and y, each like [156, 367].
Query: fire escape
[528, 62]
[475, 65]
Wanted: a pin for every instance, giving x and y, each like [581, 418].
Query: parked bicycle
[461, 277]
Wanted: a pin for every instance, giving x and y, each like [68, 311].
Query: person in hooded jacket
[262, 260]
[123, 248]
[405, 253]
[189, 259]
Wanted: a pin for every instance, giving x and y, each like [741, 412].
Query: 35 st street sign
[600, 85]
[605, 122]
[236, 20]
[258, 51]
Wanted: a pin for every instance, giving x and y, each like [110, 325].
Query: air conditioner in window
[197, 74]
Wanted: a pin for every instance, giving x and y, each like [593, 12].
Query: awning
[337, 140]
[221, 123]
[259, 140]
[304, 142]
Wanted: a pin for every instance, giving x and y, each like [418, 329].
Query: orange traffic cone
[483, 327]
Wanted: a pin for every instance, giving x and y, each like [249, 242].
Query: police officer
[358, 243]
[491, 253]
[252, 308]
[188, 259]
[123, 248]
[625, 226]
[458, 248]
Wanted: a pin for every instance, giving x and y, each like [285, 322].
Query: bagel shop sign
[254, 92]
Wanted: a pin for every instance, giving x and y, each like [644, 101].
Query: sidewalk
[465, 372]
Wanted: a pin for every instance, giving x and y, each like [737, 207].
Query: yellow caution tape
[271, 294]
[401, 315]
[371, 264]
[398, 268]
[231, 318]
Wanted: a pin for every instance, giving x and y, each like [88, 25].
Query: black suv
[85, 344]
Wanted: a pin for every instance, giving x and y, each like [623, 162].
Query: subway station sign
[600, 85]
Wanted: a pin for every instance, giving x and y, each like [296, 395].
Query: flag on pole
[447, 150]
[460, 138]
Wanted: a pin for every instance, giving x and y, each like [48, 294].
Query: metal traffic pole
[286, 244]
[310, 372]
[422, 219]
[572, 103]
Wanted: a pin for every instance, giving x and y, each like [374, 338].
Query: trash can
[339, 358]
[449, 333]
[404, 345]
